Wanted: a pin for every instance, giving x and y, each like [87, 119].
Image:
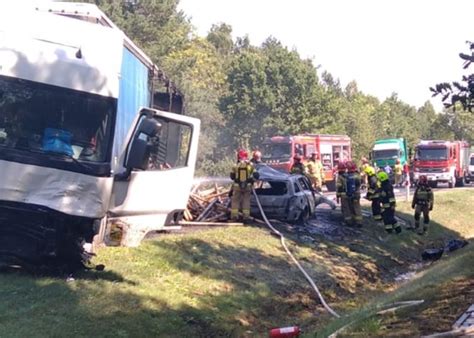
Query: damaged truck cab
[80, 148]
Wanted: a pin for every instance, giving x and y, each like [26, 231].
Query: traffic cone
[285, 332]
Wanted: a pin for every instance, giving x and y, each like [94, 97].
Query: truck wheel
[452, 183]
[460, 182]
[331, 185]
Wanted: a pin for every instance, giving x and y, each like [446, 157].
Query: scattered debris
[466, 320]
[455, 244]
[209, 201]
[432, 254]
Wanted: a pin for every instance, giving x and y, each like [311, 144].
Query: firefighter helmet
[341, 166]
[423, 180]
[242, 154]
[369, 170]
[382, 176]
[257, 155]
[351, 166]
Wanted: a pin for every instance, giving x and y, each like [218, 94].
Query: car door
[163, 182]
[308, 192]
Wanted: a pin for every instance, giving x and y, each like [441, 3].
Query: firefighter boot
[397, 228]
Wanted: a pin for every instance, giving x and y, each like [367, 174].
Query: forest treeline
[244, 93]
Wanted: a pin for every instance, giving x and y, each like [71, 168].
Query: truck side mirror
[139, 152]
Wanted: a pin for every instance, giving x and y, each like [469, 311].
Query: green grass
[236, 281]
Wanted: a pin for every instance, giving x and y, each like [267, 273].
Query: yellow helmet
[382, 176]
[369, 170]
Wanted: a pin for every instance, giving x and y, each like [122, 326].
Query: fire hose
[282, 239]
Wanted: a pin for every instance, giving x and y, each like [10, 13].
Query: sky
[386, 46]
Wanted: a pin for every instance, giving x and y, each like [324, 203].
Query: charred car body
[285, 197]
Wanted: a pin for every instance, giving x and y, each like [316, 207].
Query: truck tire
[460, 182]
[331, 185]
[452, 183]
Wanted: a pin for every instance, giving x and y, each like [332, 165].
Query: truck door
[161, 181]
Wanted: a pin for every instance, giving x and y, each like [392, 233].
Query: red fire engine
[278, 152]
[442, 161]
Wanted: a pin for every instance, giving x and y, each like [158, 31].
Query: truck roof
[322, 137]
[441, 143]
[42, 45]
[389, 140]
[91, 13]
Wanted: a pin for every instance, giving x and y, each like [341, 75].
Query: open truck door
[159, 162]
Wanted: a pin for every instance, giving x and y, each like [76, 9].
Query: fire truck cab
[442, 161]
[279, 151]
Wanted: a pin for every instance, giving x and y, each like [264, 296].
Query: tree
[220, 36]
[198, 72]
[459, 93]
[156, 26]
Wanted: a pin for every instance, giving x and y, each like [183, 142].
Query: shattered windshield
[42, 118]
[385, 154]
[276, 151]
[432, 154]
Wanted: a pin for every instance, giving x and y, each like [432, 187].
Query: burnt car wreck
[289, 198]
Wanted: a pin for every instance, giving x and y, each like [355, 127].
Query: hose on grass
[282, 239]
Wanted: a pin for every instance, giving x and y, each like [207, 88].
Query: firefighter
[398, 172]
[315, 171]
[363, 176]
[423, 200]
[373, 193]
[243, 174]
[341, 196]
[387, 199]
[298, 167]
[353, 183]
[257, 159]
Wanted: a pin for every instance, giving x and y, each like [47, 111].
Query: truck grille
[432, 170]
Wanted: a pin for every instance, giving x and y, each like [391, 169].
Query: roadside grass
[233, 281]
[446, 286]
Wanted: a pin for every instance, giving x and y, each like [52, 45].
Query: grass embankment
[446, 286]
[238, 281]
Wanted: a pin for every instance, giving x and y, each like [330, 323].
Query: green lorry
[387, 151]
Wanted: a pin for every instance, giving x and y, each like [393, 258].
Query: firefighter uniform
[298, 168]
[341, 195]
[315, 172]
[373, 193]
[243, 175]
[398, 171]
[423, 200]
[387, 199]
[353, 184]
